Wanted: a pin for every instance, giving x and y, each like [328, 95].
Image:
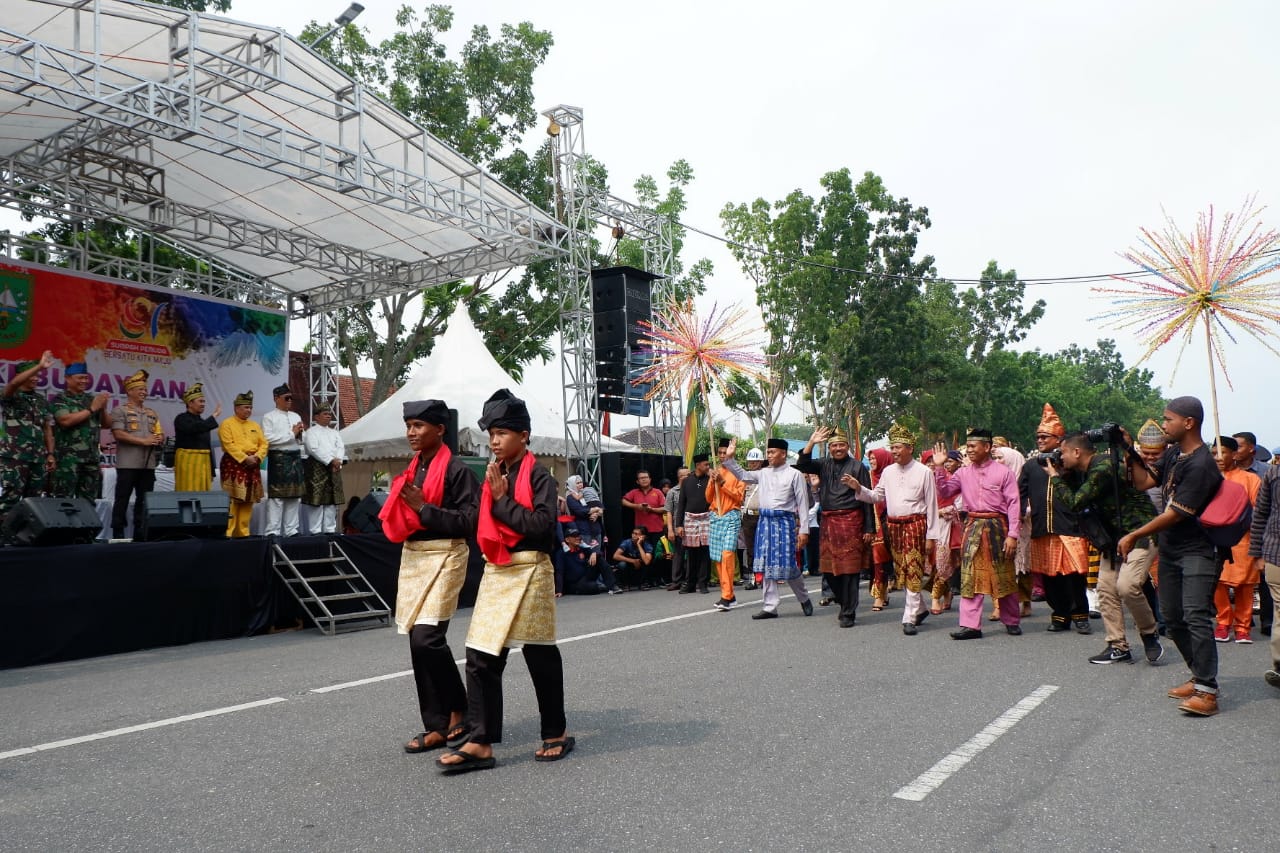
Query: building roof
[649, 439]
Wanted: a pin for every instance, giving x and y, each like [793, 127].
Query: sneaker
[1112, 655]
[726, 604]
[617, 590]
[1221, 634]
[1151, 646]
[1272, 676]
[1243, 638]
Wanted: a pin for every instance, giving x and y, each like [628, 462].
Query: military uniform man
[78, 419]
[27, 453]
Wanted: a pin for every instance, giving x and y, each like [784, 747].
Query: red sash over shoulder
[495, 538]
[399, 522]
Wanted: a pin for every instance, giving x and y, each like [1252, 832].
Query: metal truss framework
[581, 207]
[235, 142]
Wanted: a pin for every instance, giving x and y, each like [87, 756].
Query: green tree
[198, 5]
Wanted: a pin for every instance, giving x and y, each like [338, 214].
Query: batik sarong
[697, 529]
[284, 474]
[323, 485]
[724, 533]
[984, 570]
[515, 605]
[775, 554]
[432, 572]
[241, 482]
[840, 543]
[907, 535]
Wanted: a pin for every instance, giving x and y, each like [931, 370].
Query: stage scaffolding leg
[323, 329]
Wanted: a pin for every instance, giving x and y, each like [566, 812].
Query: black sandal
[418, 743]
[566, 747]
[468, 763]
[458, 735]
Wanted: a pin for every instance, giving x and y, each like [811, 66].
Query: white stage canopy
[239, 143]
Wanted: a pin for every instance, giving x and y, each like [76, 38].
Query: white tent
[462, 372]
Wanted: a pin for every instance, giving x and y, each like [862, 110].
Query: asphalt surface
[696, 730]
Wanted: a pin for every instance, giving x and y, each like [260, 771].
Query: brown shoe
[1183, 691]
[1201, 704]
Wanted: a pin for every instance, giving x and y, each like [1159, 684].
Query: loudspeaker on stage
[52, 521]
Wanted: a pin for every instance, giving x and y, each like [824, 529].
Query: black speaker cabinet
[625, 288]
[365, 515]
[187, 515]
[618, 476]
[52, 521]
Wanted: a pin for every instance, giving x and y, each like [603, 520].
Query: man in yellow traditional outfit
[516, 603]
[243, 448]
[432, 508]
[193, 451]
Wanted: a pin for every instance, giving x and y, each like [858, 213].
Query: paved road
[697, 730]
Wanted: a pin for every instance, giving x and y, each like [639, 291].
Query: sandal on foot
[418, 743]
[458, 735]
[468, 763]
[566, 747]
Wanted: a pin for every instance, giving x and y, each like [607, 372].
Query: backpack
[1228, 515]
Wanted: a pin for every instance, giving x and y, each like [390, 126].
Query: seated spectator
[585, 572]
[584, 504]
[634, 558]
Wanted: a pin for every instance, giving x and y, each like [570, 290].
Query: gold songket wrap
[516, 604]
[432, 572]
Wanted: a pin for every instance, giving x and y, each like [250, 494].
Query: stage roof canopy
[239, 143]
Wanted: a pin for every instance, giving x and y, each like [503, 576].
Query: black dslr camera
[1108, 432]
[1054, 456]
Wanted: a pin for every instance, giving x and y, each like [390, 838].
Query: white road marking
[928, 781]
[361, 682]
[171, 721]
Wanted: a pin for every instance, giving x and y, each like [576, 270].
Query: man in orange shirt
[725, 493]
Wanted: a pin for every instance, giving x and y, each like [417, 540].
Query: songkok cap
[898, 434]
[1152, 436]
[505, 410]
[777, 444]
[1228, 442]
[322, 409]
[571, 531]
[137, 380]
[245, 399]
[1187, 407]
[979, 435]
[24, 366]
[195, 392]
[431, 411]
[281, 390]
[76, 368]
[755, 454]
[701, 457]
[838, 435]
[1050, 423]
[724, 442]
[956, 455]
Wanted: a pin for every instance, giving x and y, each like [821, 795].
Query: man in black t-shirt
[1188, 478]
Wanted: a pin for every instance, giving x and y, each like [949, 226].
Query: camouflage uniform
[23, 452]
[79, 472]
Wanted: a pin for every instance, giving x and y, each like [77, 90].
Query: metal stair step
[316, 578]
[346, 596]
[312, 562]
[368, 614]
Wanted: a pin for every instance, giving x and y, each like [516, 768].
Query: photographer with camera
[1058, 551]
[1108, 506]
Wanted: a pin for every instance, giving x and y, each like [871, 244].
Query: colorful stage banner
[115, 327]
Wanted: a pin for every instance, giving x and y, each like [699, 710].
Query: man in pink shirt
[990, 495]
[649, 505]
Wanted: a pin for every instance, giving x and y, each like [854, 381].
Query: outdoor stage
[77, 601]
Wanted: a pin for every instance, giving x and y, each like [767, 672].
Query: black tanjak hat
[505, 410]
[431, 411]
[777, 444]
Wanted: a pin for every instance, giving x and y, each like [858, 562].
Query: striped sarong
[840, 545]
[284, 474]
[1060, 555]
[776, 545]
[724, 533]
[192, 470]
[697, 529]
[984, 570]
[907, 535]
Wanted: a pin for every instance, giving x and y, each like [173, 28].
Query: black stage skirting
[77, 601]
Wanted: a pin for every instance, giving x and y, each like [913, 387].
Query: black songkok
[281, 390]
[431, 411]
[701, 457]
[979, 435]
[777, 444]
[505, 410]
[1187, 407]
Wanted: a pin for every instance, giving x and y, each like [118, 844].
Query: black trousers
[749, 525]
[697, 566]
[484, 691]
[1266, 607]
[844, 589]
[132, 481]
[440, 690]
[585, 583]
[813, 552]
[677, 563]
[1065, 595]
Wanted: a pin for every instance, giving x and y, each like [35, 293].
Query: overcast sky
[1039, 135]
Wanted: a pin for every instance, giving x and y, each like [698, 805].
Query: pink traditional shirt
[906, 490]
[989, 487]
